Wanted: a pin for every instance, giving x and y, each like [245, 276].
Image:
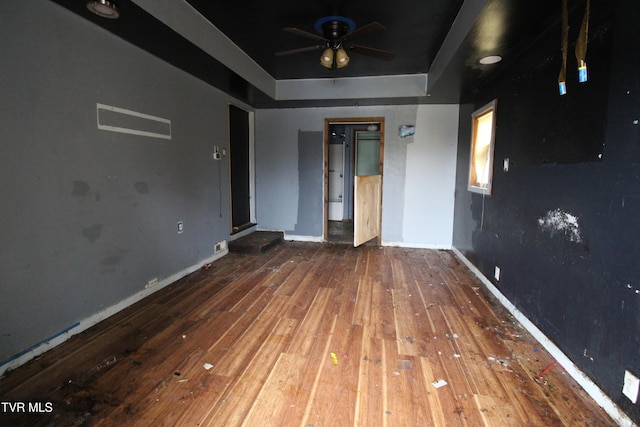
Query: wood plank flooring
[304, 335]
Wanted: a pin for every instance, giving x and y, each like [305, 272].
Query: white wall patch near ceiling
[115, 119]
[558, 221]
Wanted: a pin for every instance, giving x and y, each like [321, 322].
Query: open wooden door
[367, 187]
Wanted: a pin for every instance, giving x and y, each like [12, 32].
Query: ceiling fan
[336, 34]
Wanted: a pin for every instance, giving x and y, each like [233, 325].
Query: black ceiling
[416, 30]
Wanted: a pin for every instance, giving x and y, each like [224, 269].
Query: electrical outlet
[496, 273]
[220, 246]
[152, 282]
[630, 386]
[180, 227]
[505, 165]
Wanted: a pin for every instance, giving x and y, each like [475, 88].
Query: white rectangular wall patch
[115, 119]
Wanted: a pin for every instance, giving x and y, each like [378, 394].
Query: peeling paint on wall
[558, 221]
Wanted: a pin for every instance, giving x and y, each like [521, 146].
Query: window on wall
[482, 137]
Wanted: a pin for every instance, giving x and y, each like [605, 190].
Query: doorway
[240, 168]
[354, 157]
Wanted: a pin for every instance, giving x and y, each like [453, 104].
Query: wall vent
[115, 119]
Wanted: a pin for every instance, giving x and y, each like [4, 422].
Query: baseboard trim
[416, 245]
[81, 326]
[571, 368]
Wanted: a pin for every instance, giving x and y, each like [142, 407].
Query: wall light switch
[630, 386]
[180, 227]
[505, 164]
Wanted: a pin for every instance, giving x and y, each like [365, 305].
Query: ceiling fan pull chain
[564, 46]
[581, 46]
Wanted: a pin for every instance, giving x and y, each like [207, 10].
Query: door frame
[349, 121]
[251, 169]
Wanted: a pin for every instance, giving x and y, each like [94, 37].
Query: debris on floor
[540, 377]
[334, 358]
[207, 366]
[439, 383]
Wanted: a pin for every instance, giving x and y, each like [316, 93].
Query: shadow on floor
[340, 232]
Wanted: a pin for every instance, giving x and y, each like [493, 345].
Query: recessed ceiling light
[103, 8]
[491, 59]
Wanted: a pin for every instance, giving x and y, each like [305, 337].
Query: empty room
[324, 213]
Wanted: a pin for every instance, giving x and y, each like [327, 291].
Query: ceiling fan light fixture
[342, 59]
[103, 8]
[327, 58]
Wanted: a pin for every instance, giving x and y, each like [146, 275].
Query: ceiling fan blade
[372, 27]
[298, 50]
[386, 55]
[304, 33]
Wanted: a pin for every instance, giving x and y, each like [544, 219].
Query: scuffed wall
[91, 215]
[562, 230]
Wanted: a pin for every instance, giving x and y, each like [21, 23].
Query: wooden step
[256, 242]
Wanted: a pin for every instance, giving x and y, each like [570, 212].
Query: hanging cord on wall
[564, 46]
[581, 45]
[220, 188]
[482, 215]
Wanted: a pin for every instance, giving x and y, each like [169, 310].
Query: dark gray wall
[311, 182]
[580, 285]
[90, 216]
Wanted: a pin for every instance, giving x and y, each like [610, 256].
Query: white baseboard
[57, 339]
[243, 233]
[416, 245]
[571, 368]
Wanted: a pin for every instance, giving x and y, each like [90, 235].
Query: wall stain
[141, 187]
[112, 259]
[558, 221]
[92, 233]
[80, 189]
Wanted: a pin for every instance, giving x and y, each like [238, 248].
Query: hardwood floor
[307, 335]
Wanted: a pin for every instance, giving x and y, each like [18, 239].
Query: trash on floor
[540, 377]
[439, 383]
[207, 366]
[334, 358]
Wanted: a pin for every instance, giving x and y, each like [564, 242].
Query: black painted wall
[575, 157]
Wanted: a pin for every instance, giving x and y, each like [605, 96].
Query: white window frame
[474, 158]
